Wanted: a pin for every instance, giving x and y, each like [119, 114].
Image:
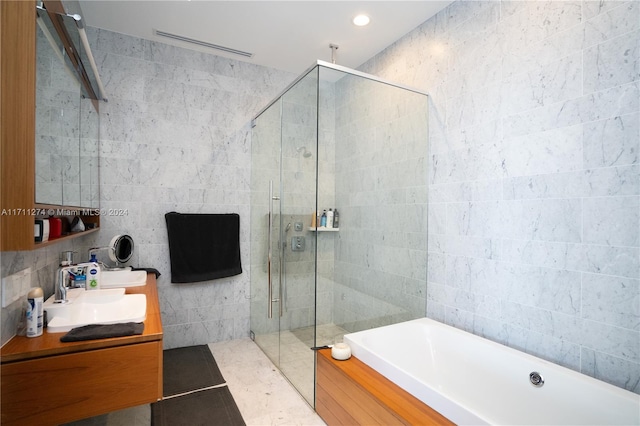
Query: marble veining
[532, 179]
[534, 214]
[175, 137]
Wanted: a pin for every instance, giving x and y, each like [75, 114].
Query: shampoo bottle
[323, 219]
[330, 218]
[34, 312]
[336, 219]
[93, 274]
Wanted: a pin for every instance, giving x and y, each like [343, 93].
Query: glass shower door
[283, 261]
[265, 230]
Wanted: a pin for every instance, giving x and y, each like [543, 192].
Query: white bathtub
[472, 380]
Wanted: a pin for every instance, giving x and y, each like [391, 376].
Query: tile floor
[291, 350]
[261, 392]
[263, 395]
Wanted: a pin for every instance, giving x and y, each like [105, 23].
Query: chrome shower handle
[270, 298]
[280, 270]
[270, 284]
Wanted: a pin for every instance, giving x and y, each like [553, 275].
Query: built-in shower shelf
[323, 229]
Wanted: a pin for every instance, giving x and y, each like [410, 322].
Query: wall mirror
[67, 118]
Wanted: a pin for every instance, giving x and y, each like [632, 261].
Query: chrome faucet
[61, 284]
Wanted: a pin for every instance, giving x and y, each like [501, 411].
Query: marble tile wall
[534, 217]
[175, 136]
[43, 263]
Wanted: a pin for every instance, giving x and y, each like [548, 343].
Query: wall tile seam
[586, 47]
[190, 109]
[585, 20]
[470, 95]
[100, 35]
[585, 367]
[478, 38]
[177, 84]
[160, 52]
[498, 238]
[581, 323]
[577, 315]
[498, 259]
[106, 69]
[479, 35]
[502, 20]
[527, 200]
[153, 75]
[596, 48]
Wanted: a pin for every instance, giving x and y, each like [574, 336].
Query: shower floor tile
[292, 351]
[261, 392]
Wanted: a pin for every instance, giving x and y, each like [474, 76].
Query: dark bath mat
[204, 408]
[188, 369]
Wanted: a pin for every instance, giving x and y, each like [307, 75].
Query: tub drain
[536, 379]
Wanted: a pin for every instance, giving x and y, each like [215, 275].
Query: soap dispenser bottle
[93, 274]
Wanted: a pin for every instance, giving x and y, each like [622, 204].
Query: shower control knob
[297, 243]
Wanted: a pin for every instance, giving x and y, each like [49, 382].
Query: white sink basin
[123, 278]
[110, 306]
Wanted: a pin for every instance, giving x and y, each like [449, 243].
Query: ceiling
[287, 35]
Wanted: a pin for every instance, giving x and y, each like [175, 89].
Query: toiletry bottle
[323, 219]
[78, 278]
[45, 230]
[34, 312]
[93, 274]
[336, 219]
[38, 230]
[330, 218]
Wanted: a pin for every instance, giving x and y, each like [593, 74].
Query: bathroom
[533, 183]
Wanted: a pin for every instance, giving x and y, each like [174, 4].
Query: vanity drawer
[64, 388]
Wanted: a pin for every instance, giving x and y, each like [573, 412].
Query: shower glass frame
[328, 290]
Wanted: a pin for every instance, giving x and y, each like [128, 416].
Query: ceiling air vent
[204, 43]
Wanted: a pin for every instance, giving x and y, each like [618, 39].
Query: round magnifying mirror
[121, 248]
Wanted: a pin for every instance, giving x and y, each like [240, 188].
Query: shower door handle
[269, 252]
[280, 275]
[270, 284]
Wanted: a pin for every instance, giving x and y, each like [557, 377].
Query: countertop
[21, 348]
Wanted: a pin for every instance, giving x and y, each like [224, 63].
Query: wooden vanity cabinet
[17, 121]
[46, 382]
[64, 388]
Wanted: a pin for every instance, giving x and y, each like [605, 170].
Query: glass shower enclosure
[338, 139]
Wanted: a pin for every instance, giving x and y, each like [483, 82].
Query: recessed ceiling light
[361, 20]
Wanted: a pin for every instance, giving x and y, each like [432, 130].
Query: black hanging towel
[203, 246]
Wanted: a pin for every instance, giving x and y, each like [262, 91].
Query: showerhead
[305, 153]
